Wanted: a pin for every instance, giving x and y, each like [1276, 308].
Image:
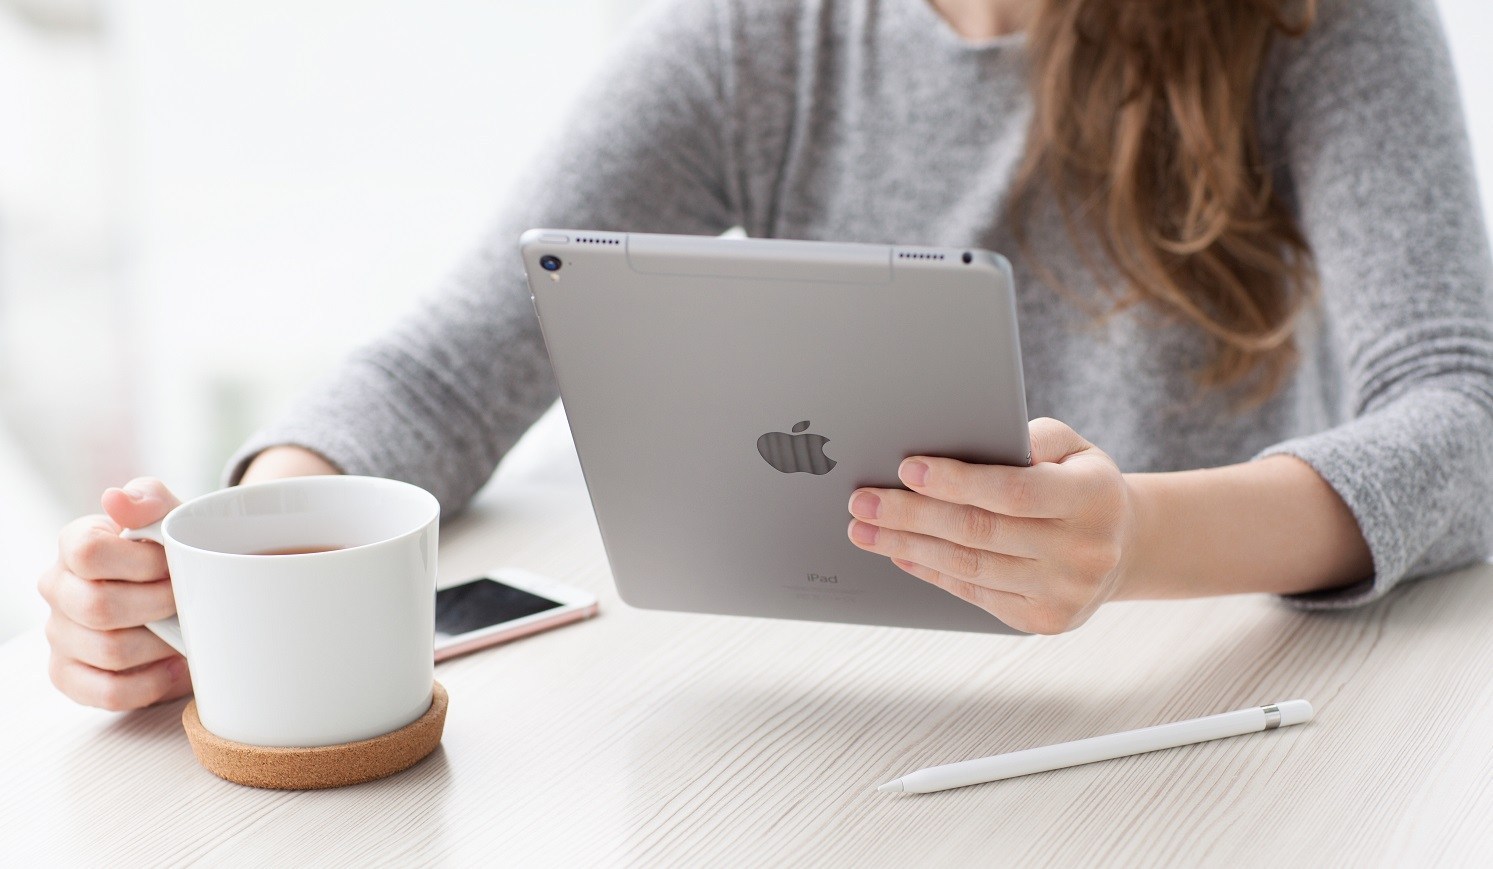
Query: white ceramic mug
[304, 650]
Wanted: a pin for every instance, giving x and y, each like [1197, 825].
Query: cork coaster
[327, 766]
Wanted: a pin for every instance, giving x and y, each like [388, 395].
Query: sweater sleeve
[1379, 166]
[443, 395]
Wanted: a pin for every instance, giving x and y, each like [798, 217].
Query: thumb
[1053, 441]
[139, 502]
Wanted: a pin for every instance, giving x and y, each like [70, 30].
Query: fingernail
[913, 473]
[865, 505]
[860, 532]
[135, 495]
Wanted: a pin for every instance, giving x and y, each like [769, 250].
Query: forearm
[1272, 525]
[286, 461]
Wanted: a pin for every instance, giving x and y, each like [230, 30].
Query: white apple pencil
[1049, 757]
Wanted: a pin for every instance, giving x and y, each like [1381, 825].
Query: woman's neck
[981, 20]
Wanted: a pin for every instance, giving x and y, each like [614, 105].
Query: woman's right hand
[102, 591]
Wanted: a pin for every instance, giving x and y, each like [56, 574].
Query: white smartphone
[504, 605]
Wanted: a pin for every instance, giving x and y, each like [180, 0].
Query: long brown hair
[1144, 131]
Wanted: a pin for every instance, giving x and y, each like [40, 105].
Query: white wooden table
[663, 738]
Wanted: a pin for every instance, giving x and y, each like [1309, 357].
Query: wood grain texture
[659, 738]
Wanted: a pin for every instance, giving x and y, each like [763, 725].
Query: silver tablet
[727, 395]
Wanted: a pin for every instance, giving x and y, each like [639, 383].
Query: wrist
[287, 461]
[1136, 570]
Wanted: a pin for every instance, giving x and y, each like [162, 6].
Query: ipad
[727, 395]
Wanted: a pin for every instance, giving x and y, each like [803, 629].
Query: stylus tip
[891, 787]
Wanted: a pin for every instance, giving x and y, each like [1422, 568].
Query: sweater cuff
[349, 456]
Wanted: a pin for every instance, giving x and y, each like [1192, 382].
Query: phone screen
[480, 604]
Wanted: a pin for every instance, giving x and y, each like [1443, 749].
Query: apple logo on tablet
[794, 453]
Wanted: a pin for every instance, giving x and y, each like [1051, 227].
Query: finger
[1044, 491]
[960, 523]
[1016, 611]
[1001, 604]
[1053, 441]
[116, 650]
[990, 569]
[108, 604]
[139, 502]
[132, 689]
[91, 548]
[46, 584]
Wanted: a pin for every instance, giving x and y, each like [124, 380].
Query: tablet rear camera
[549, 263]
[968, 257]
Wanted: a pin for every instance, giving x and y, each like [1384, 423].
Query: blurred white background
[205, 204]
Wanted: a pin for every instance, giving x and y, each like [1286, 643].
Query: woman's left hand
[1039, 548]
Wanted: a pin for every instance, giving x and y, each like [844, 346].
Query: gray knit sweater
[870, 120]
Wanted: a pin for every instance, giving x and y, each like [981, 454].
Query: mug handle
[168, 629]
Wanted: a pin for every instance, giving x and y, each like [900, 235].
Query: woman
[1250, 263]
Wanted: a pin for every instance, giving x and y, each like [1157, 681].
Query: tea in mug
[297, 550]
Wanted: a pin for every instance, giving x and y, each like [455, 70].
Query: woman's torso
[886, 127]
